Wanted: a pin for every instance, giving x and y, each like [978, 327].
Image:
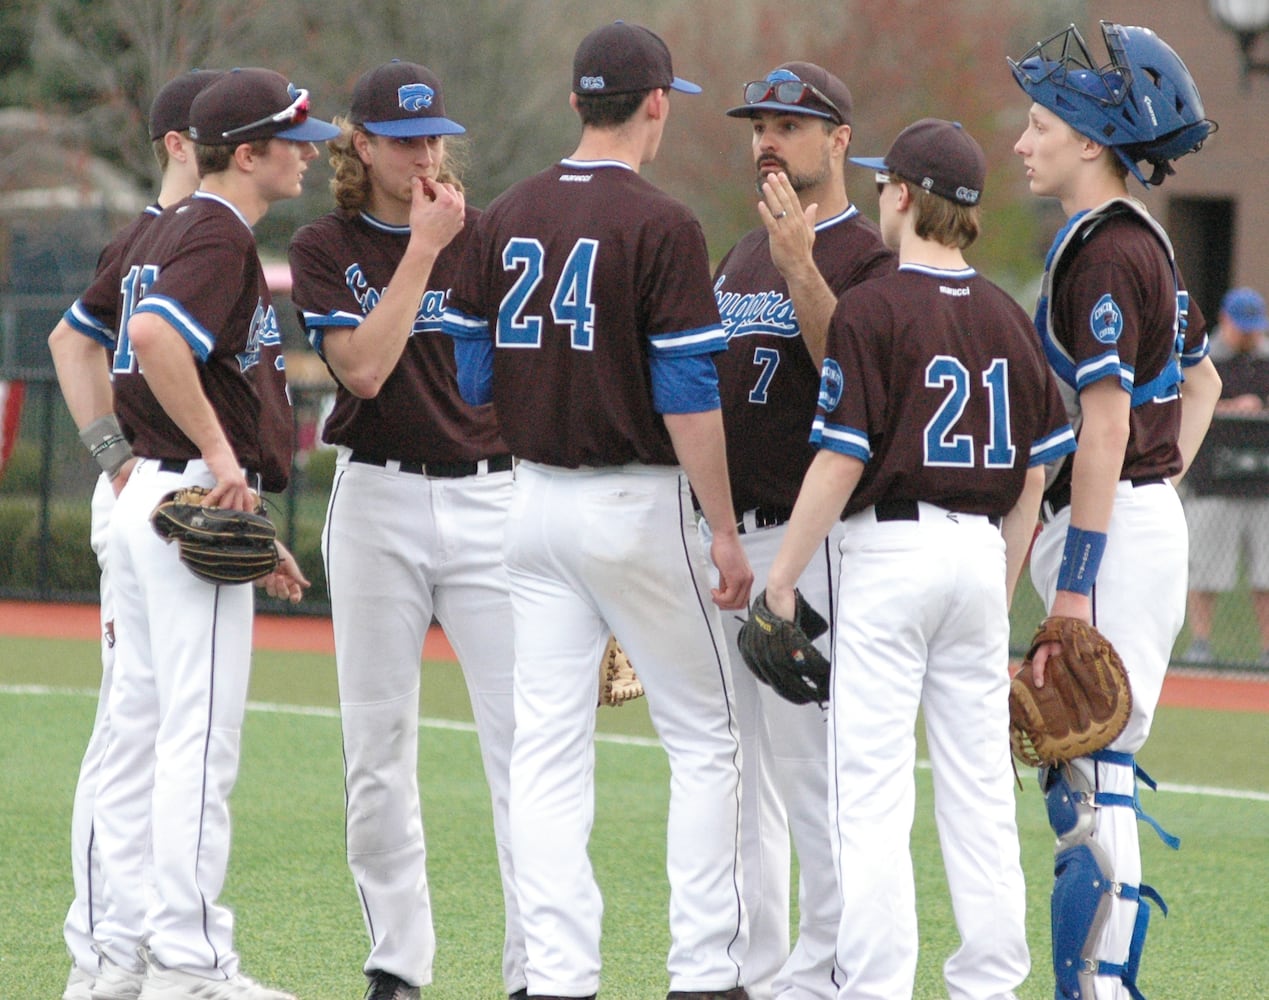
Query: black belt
[1059, 498]
[762, 517]
[910, 510]
[439, 470]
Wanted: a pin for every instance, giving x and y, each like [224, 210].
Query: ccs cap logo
[967, 196]
[1106, 320]
[415, 96]
[592, 83]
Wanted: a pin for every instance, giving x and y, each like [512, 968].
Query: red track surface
[301, 633]
[1189, 689]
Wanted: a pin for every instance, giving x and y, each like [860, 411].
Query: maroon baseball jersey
[196, 267]
[1113, 313]
[936, 381]
[95, 313]
[580, 274]
[340, 265]
[767, 378]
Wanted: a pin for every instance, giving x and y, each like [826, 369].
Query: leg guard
[1082, 883]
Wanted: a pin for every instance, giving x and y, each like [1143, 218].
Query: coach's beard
[800, 182]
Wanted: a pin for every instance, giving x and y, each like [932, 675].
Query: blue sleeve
[473, 352]
[475, 369]
[685, 383]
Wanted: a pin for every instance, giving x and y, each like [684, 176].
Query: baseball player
[936, 414]
[1225, 529]
[417, 507]
[583, 310]
[1113, 320]
[200, 394]
[776, 290]
[80, 345]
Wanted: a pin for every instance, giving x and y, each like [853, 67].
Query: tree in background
[506, 64]
[903, 60]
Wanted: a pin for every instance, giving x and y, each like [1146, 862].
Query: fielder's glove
[1084, 704]
[618, 682]
[218, 546]
[782, 654]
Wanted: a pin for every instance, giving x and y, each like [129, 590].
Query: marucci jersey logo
[753, 313]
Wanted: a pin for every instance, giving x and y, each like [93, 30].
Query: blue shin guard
[1084, 886]
[1079, 907]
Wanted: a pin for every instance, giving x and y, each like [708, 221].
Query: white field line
[321, 712]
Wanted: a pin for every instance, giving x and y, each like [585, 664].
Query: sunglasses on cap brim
[295, 114]
[787, 92]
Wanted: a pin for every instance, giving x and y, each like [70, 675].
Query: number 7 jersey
[581, 276]
[936, 380]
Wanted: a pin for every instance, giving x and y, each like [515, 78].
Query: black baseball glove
[782, 654]
[218, 546]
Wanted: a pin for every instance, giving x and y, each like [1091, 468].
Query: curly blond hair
[351, 183]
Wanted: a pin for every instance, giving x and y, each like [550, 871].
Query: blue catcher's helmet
[1144, 104]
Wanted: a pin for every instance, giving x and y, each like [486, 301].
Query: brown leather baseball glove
[1084, 704]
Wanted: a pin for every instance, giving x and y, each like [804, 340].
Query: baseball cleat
[78, 985]
[114, 982]
[172, 984]
[386, 986]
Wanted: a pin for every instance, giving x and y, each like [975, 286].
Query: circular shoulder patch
[1106, 320]
[831, 386]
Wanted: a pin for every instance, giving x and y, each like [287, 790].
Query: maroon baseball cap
[249, 104]
[621, 58]
[821, 94]
[402, 100]
[937, 155]
[170, 110]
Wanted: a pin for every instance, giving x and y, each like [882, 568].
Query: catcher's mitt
[618, 682]
[782, 654]
[1084, 704]
[218, 546]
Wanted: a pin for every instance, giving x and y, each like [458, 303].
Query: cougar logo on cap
[415, 96]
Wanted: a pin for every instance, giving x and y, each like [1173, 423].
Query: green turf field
[298, 924]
